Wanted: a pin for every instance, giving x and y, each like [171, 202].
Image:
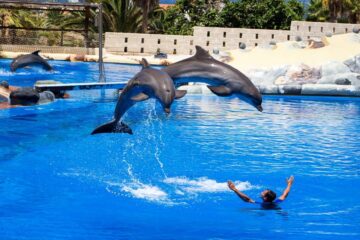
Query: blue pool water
[168, 180]
[66, 72]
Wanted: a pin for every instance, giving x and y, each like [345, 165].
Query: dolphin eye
[168, 90]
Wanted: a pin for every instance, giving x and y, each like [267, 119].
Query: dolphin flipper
[140, 97]
[220, 90]
[111, 127]
[180, 93]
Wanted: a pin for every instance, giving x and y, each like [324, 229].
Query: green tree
[147, 6]
[334, 11]
[317, 11]
[265, 14]
[156, 21]
[354, 9]
[186, 14]
[121, 16]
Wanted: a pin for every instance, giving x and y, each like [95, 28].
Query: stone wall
[139, 43]
[220, 38]
[307, 30]
[231, 38]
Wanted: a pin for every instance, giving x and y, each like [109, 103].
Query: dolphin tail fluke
[112, 127]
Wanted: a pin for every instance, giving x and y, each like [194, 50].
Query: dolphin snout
[259, 107]
[167, 110]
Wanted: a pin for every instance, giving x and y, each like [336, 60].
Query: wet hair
[270, 196]
[4, 84]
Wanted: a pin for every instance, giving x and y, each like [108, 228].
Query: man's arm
[240, 194]
[289, 181]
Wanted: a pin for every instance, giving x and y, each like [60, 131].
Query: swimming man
[267, 195]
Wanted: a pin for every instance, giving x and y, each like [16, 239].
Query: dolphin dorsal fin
[201, 53]
[144, 63]
[36, 52]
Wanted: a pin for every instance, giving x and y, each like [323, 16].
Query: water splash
[155, 134]
[204, 185]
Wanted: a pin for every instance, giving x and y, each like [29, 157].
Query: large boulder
[341, 79]
[353, 37]
[333, 67]
[353, 64]
[266, 76]
[300, 74]
[24, 96]
[297, 45]
[315, 43]
[337, 73]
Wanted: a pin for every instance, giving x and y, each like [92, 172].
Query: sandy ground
[339, 48]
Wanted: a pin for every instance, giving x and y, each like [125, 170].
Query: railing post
[100, 28]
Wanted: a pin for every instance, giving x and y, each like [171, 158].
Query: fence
[66, 25]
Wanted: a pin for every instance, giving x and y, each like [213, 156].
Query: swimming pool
[66, 72]
[168, 180]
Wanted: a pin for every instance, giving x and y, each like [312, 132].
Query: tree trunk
[145, 8]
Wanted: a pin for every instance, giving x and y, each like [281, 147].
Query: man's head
[4, 84]
[268, 195]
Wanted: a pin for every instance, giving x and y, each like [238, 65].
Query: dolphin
[223, 79]
[148, 83]
[29, 59]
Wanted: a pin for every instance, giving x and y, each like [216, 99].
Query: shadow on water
[261, 211]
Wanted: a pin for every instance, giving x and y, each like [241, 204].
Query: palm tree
[318, 11]
[121, 15]
[147, 6]
[334, 10]
[354, 10]
[6, 20]
[342, 10]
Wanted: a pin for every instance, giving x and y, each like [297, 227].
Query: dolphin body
[148, 83]
[29, 60]
[223, 79]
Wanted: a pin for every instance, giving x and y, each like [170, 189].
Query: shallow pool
[168, 180]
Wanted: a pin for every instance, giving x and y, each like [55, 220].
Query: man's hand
[241, 195]
[231, 185]
[290, 180]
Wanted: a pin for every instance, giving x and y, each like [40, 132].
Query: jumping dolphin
[29, 60]
[223, 79]
[148, 83]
